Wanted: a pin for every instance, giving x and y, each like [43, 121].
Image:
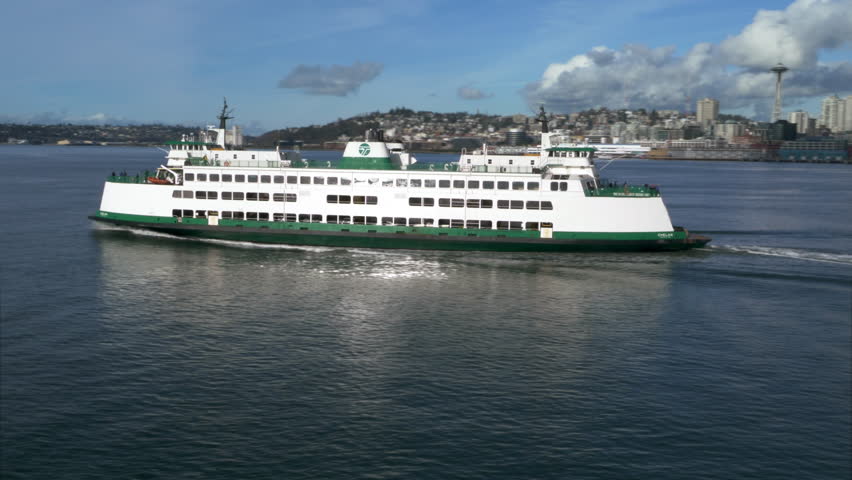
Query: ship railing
[608, 189]
[128, 179]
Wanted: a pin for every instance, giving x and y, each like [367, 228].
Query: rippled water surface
[128, 354]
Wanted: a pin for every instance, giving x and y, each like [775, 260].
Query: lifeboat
[159, 181]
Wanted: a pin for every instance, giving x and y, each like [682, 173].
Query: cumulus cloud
[470, 93]
[736, 71]
[339, 80]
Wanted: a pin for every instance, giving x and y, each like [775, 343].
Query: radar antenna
[542, 117]
[225, 115]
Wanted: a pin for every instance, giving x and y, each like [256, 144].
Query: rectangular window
[554, 186]
[214, 177]
[239, 196]
[252, 179]
[346, 181]
[331, 219]
[251, 215]
[251, 196]
[532, 225]
[290, 197]
[502, 185]
[444, 183]
[344, 199]
[277, 197]
[176, 213]
[277, 217]
[265, 179]
[416, 182]
[486, 203]
[456, 223]
[372, 200]
[199, 195]
[319, 180]
[345, 219]
[189, 177]
[458, 183]
[202, 177]
[458, 203]
[399, 221]
[517, 185]
[485, 224]
[290, 217]
[187, 213]
[428, 222]
[212, 195]
[358, 220]
[472, 224]
[444, 223]
[201, 214]
[429, 183]
[240, 178]
[176, 194]
[546, 206]
[359, 200]
[472, 203]
[305, 217]
[415, 222]
[227, 215]
[563, 186]
[428, 202]
[331, 198]
[532, 205]
[263, 196]
[415, 202]
[516, 225]
[488, 185]
[387, 220]
[532, 185]
[278, 179]
[546, 225]
[332, 180]
[263, 216]
[239, 215]
[187, 194]
[503, 204]
[227, 177]
[401, 182]
[292, 179]
[517, 204]
[372, 221]
[443, 202]
[473, 184]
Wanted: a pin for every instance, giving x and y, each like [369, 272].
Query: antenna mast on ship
[225, 115]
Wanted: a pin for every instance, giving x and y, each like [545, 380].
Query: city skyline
[297, 65]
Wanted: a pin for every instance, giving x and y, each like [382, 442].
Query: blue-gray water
[132, 355]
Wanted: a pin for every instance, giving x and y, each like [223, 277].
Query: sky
[288, 64]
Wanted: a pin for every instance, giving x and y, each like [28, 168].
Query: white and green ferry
[378, 196]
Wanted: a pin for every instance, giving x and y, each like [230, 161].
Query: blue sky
[173, 61]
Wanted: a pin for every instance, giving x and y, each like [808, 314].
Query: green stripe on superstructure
[366, 163]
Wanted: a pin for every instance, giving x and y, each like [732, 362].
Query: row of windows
[357, 199]
[367, 220]
[250, 196]
[480, 203]
[399, 182]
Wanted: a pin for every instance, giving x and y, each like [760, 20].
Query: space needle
[777, 70]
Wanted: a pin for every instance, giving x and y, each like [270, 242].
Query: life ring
[227, 163]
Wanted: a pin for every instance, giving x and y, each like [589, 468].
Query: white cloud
[736, 72]
[470, 93]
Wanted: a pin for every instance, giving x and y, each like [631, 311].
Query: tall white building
[707, 110]
[729, 130]
[800, 118]
[833, 114]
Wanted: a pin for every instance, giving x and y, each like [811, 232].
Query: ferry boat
[379, 196]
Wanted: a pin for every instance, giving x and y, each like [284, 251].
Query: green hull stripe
[382, 236]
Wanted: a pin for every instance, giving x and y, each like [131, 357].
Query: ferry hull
[406, 238]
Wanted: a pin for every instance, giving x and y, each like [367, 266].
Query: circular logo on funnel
[364, 149]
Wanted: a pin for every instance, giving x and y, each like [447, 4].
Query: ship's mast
[225, 115]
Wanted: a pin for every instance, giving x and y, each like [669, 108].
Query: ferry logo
[364, 149]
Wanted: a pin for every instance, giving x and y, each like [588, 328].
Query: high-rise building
[833, 114]
[707, 111]
[800, 118]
